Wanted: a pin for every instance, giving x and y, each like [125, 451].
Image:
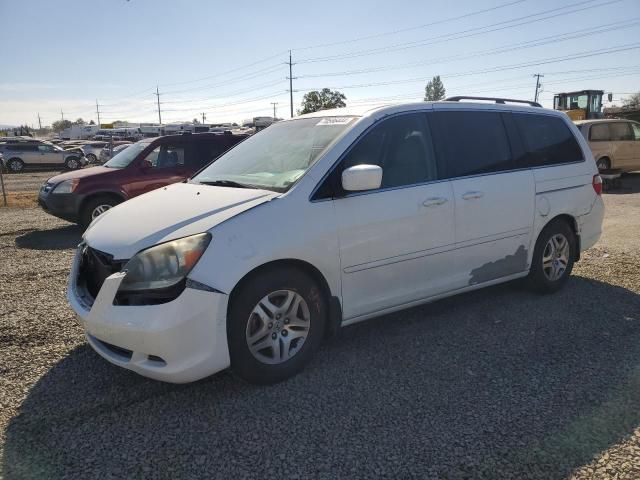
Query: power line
[590, 31]
[403, 30]
[585, 54]
[464, 33]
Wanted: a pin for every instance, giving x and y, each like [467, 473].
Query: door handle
[472, 195]
[434, 201]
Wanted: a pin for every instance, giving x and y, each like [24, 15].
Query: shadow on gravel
[629, 183]
[61, 238]
[498, 383]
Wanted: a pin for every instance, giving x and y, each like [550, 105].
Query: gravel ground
[498, 383]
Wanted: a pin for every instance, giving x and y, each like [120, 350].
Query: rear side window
[208, 150]
[23, 148]
[599, 132]
[471, 143]
[620, 131]
[548, 140]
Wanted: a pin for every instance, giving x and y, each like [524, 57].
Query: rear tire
[91, 158]
[15, 165]
[603, 163]
[279, 308]
[95, 207]
[553, 257]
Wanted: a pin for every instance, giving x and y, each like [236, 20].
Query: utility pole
[62, 114]
[290, 77]
[538, 86]
[39, 122]
[157, 94]
[274, 109]
[204, 116]
[98, 112]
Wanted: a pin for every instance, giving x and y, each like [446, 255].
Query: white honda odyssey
[329, 219]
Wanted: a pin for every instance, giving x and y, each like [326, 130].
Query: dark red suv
[82, 195]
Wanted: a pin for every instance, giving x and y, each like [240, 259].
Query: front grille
[95, 267]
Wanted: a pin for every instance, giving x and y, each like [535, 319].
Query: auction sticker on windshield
[334, 121]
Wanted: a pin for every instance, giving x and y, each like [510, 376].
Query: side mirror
[362, 177]
[145, 165]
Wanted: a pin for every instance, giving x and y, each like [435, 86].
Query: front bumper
[180, 341]
[62, 205]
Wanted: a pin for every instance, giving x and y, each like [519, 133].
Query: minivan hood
[168, 213]
[81, 173]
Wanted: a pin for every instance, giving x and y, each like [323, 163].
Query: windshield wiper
[225, 183]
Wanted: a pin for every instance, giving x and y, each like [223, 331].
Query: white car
[329, 219]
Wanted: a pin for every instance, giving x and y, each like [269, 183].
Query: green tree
[79, 121]
[633, 101]
[60, 125]
[322, 100]
[434, 90]
[91, 122]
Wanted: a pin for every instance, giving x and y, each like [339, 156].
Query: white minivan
[328, 219]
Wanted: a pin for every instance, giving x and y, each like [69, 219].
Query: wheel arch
[333, 301]
[573, 224]
[105, 193]
[606, 156]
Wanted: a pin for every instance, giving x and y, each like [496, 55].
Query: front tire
[275, 325]
[96, 207]
[15, 165]
[553, 257]
[91, 158]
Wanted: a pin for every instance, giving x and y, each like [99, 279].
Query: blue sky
[228, 58]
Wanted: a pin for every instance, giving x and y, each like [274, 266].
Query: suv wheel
[603, 163]
[553, 257]
[276, 324]
[91, 158]
[96, 207]
[15, 165]
[72, 163]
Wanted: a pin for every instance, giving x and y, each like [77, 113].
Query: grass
[20, 199]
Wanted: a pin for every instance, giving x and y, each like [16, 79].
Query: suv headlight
[66, 186]
[164, 265]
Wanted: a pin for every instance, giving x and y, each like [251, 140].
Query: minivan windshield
[276, 157]
[125, 157]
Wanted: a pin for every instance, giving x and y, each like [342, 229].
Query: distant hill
[2, 126]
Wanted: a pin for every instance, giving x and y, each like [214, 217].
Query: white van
[329, 219]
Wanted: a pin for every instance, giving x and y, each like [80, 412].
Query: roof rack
[493, 99]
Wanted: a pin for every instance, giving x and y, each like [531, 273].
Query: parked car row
[323, 220]
[111, 149]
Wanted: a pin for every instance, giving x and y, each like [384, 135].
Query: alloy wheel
[99, 210]
[278, 327]
[555, 257]
[15, 165]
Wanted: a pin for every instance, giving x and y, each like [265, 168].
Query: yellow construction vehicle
[582, 105]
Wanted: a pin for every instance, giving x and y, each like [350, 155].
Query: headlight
[164, 265]
[66, 186]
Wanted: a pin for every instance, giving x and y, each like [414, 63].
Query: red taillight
[597, 184]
